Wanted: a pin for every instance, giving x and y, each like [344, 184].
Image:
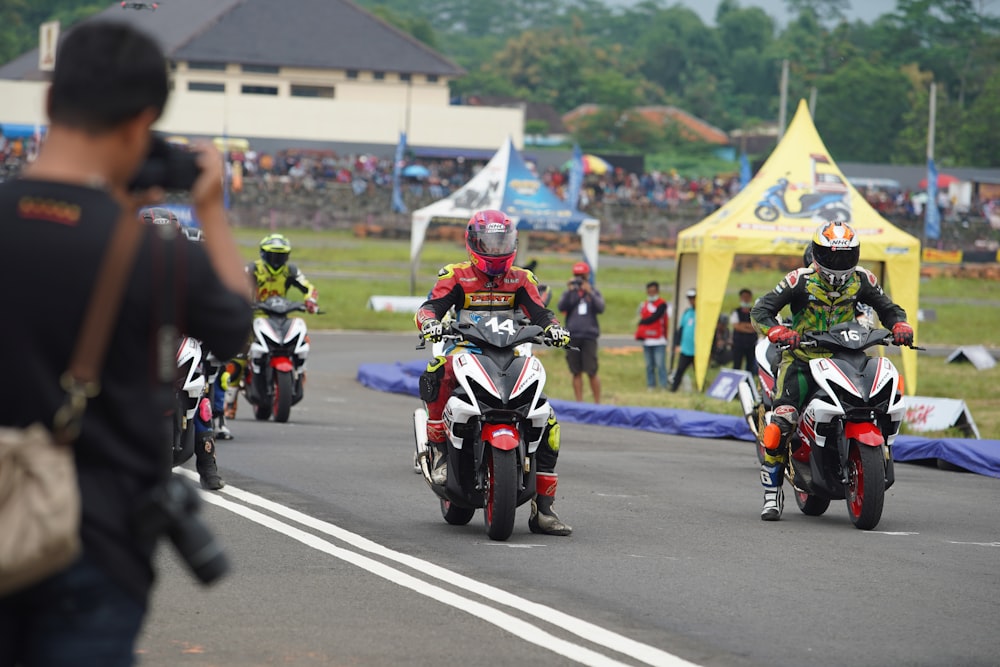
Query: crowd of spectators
[666, 192]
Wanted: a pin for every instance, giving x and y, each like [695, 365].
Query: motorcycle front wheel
[865, 485]
[501, 493]
[282, 396]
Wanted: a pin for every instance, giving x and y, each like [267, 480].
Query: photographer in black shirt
[108, 88]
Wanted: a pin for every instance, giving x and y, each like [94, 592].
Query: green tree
[860, 109]
[979, 135]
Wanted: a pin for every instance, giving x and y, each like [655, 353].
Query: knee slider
[786, 417]
[430, 380]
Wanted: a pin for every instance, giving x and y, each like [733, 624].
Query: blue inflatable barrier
[980, 456]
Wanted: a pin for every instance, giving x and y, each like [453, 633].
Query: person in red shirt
[652, 331]
[489, 283]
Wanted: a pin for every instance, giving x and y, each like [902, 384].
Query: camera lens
[199, 549]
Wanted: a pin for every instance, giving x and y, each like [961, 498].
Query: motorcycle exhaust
[749, 402]
[421, 457]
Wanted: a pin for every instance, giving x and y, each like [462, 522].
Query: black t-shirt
[54, 238]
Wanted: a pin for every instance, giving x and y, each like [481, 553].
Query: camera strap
[81, 380]
[166, 277]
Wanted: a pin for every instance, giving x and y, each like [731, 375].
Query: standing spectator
[581, 304]
[744, 335]
[685, 335]
[652, 331]
[108, 88]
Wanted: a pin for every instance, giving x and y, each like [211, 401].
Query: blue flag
[397, 169]
[932, 215]
[575, 178]
[745, 173]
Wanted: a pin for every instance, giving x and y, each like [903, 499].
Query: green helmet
[274, 250]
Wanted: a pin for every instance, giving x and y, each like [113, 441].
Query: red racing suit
[464, 288]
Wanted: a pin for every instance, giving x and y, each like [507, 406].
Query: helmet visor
[496, 239]
[839, 259]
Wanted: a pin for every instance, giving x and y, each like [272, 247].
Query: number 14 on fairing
[496, 325]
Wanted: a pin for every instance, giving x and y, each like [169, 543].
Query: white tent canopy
[507, 184]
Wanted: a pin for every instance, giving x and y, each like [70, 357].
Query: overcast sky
[866, 10]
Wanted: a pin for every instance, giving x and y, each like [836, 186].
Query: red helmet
[491, 239]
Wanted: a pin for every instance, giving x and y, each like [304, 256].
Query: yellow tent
[776, 214]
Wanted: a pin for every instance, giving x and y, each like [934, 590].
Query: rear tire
[455, 515]
[262, 412]
[865, 485]
[501, 493]
[282, 396]
[811, 505]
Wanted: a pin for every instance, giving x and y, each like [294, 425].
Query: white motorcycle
[842, 447]
[276, 362]
[189, 390]
[495, 419]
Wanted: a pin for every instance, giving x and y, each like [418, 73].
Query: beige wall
[362, 110]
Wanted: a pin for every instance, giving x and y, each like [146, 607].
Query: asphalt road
[340, 556]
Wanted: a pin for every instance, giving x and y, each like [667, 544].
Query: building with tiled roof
[323, 70]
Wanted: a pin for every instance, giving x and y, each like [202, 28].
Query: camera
[576, 283]
[166, 166]
[172, 509]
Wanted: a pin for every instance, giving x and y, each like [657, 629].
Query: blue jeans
[656, 361]
[77, 618]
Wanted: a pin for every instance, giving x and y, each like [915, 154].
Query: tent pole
[783, 103]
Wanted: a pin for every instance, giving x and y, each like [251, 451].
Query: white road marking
[645, 653]
[977, 544]
[889, 532]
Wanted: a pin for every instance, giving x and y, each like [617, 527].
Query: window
[379, 76]
[260, 69]
[299, 90]
[259, 90]
[352, 74]
[404, 77]
[216, 67]
[432, 78]
[206, 87]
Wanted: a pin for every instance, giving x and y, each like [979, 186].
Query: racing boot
[208, 471]
[231, 399]
[436, 434]
[543, 518]
[222, 431]
[774, 498]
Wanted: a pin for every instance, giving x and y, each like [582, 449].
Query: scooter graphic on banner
[827, 200]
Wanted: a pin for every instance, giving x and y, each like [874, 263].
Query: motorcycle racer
[204, 448]
[489, 283]
[820, 296]
[271, 275]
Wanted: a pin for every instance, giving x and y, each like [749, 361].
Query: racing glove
[312, 306]
[782, 335]
[902, 334]
[556, 336]
[432, 330]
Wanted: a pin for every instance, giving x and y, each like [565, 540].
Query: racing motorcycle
[188, 392]
[276, 362]
[842, 447]
[495, 419]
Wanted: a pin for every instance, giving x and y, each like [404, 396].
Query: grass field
[348, 270]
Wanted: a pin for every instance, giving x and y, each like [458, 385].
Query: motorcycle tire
[766, 213]
[865, 485]
[282, 396]
[262, 412]
[811, 505]
[501, 493]
[455, 515]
